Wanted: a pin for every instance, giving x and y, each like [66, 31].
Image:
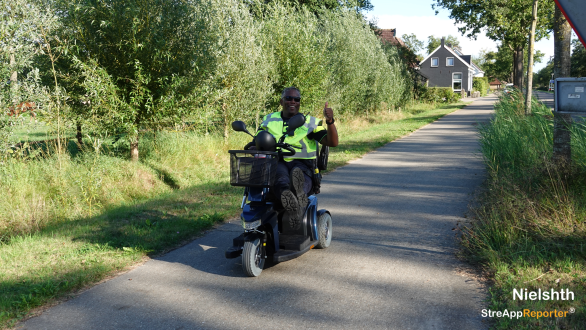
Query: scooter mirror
[294, 123]
[240, 126]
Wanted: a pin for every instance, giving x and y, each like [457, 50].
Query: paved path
[545, 98]
[391, 264]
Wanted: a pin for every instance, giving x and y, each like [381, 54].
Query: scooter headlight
[250, 225]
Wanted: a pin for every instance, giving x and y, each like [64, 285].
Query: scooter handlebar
[247, 147]
[278, 145]
[286, 147]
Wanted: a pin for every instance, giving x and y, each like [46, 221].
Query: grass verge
[530, 228]
[69, 222]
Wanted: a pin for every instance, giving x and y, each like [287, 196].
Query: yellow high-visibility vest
[305, 148]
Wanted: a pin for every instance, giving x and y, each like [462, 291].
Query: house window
[450, 61]
[457, 82]
[434, 61]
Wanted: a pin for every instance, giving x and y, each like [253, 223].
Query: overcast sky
[417, 16]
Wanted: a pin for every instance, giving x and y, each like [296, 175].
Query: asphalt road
[545, 98]
[391, 264]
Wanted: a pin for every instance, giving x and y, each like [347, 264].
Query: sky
[417, 17]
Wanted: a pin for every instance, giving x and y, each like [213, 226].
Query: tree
[21, 23]
[499, 64]
[434, 42]
[531, 51]
[412, 42]
[139, 54]
[578, 59]
[481, 59]
[543, 77]
[562, 36]
[318, 6]
[508, 21]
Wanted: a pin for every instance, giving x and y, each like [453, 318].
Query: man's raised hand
[328, 113]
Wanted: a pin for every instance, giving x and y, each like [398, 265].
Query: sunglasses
[291, 98]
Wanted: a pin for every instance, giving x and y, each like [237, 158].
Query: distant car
[508, 88]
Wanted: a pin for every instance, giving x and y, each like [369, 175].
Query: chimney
[443, 41]
[394, 31]
[450, 45]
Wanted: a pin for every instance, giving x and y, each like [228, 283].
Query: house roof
[388, 35]
[496, 82]
[476, 67]
[453, 53]
[457, 53]
[421, 74]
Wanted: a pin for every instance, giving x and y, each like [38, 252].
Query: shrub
[244, 69]
[441, 95]
[335, 57]
[363, 75]
[480, 84]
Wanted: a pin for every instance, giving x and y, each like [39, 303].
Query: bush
[364, 75]
[440, 95]
[335, 57]
[480, 84]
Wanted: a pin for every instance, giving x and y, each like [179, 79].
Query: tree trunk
[518, 66]
[78, 135]
[562, 32]
[530, 64]
[134, 149]
[13, 81]
[226, 123]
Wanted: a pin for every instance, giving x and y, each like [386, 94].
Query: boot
[298, 183]
[291, 205]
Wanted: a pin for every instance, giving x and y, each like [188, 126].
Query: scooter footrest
[293, 242]
[233, 252]
[284, 255]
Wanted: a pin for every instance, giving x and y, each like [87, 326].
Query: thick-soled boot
[298, 182]
[291, 205]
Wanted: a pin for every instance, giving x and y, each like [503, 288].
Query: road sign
[575, 11]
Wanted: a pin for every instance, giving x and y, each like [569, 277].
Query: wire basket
[251, 168]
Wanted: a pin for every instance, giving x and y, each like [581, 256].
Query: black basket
[251, 168]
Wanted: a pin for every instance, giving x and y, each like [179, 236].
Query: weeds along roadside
[54, 242]
[529, 230]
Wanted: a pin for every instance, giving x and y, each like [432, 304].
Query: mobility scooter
[268, 235]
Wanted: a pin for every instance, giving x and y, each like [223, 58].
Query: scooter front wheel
[253, 259]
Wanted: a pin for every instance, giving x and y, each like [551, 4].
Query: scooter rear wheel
[253, 259]
[324, 230]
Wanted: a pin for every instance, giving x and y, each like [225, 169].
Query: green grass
[529, 231]
[31, 131]
[68, 222]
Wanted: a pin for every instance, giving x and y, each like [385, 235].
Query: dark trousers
[283, 181]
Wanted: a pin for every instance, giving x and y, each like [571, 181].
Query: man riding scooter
[294, 174]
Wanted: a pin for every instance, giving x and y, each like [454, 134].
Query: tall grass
[530, 228]
[59, 188]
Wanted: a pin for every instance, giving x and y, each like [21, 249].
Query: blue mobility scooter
[268, 234]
